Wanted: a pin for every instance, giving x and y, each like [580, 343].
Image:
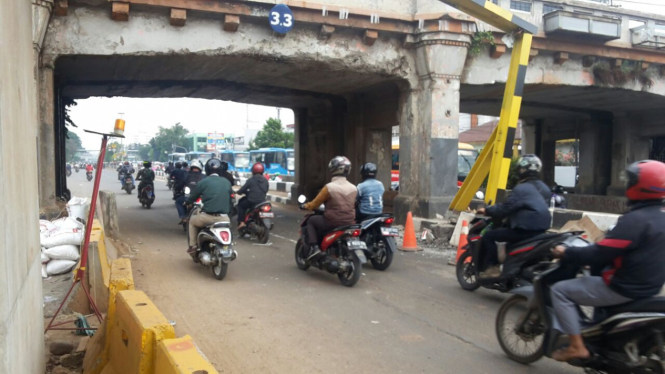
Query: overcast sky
[146, 115]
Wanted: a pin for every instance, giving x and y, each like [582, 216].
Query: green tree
[144, 152]
[72, 146]
[166, 137]
[272, 136]
[111, 151]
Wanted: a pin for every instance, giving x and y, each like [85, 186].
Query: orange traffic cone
[462, 240]
[409, 244]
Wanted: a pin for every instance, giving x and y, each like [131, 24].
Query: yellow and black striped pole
[495, 157]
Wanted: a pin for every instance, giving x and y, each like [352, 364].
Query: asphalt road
[267, 316]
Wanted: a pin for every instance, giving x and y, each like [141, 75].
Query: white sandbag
[62, 237]
[55, 267]
[76, 207]
[44, 272]
[67, 223]
[45, 258]
[63, 252]
[45, 226]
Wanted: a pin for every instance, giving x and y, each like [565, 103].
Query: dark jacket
[146, 176]
[190, 181]
[215, 193]
[632, 255]
[255, 189]
[180, 177]
[526, 206]
[229, 177]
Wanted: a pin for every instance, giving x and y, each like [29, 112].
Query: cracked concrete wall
[21, 315]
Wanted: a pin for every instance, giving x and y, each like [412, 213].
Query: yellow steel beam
[496, 16]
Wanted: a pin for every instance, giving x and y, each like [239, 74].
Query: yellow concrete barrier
[181, 356]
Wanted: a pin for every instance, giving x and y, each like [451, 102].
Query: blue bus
[275, 160]
[237, 160]
[203, 157]
[175, 157]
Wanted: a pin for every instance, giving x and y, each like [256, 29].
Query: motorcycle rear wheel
[300, 259]
[504, 330]
[466, 273]
[265, 234]
[351, 277]
[382, 263]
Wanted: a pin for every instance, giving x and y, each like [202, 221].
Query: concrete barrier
[108, 209]
[181, 356]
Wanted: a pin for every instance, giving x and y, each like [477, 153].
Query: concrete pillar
[46, 148]
[595, 157]
[429, 127]
[300, 124]
[529, 138]
[627, 147]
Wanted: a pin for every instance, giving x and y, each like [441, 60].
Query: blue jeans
[182, 211]
[122, 180]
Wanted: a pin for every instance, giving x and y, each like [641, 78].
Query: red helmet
[258, 168]
[645, 180]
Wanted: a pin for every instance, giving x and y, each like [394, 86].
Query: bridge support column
[627, 147]
[46, 146]
[429, 127]
[595, 157]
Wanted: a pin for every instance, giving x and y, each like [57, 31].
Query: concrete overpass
[353, 69]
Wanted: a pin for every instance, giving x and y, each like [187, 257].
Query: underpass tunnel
[352, 117]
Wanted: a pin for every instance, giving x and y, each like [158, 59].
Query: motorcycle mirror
[302, 199]
[187, 190]
[480, 195]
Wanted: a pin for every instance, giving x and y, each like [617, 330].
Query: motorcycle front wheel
[524, 344]
[352, 275]
[301, 256]
[384, 256]
[466, 272]
[219, 271]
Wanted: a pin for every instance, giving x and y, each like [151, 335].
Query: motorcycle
[626, 338]
[379, 238]
[76, 168]
[169, 183]
[258, 222]
[88, 176]
[147, 196]
[69, 172]
[129, 184]
[522, 260]
[342, 253]
[215, 246]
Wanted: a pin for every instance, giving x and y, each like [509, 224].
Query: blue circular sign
[281, 18]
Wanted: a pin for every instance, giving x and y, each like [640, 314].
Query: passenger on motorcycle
[123, 171]
[255, 190]
[215, 193]
[527, 210]
[226, 174]
[147, 177]
[193, 177]
[369, 202]
[339, 196]
[626, 265]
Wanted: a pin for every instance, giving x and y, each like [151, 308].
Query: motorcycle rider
[215, 193]
[255, 190]
[527, 210]
[169, 168]
[339, 196]
[147, 177]
[629, 260]
[69, 168]
[193, 177]
[125, 170]
[369, 202]
[89, 168]
[226, 174]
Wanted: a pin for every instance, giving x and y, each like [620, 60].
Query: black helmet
[147, 164]
[339, 166]
[213, 166]
[529, 166]
[178, 165]
[368, 170]
[170, 163]
[557, 189]
[225, 166]
[184, 164]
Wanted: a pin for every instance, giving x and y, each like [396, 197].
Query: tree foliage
[272, 136]
[72, 146]
[165, 138]
[144, 152]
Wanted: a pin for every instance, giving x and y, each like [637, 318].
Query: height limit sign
[281, 19]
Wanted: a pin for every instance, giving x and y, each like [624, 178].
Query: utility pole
[279, 117]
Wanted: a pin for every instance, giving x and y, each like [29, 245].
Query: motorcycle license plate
[226, 252]
[357, 244]
[267, 215]
[389, 231]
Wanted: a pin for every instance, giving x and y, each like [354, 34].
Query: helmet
[529, 166]
[213, 166]
[126, 162]
[225, 166]
[645, 180]
[184, 164]
[178, 165]
[368, 170]
[557, 189]
[196, 164]
[170, 163]
[339, 165]
[147, 164]
[258, 168]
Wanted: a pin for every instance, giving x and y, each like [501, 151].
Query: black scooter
[147, 196]
[522, 262]
[88, 175]
[379, 237]
[258, 222]
[627, 338]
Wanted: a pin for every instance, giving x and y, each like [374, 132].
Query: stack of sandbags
[60, 241]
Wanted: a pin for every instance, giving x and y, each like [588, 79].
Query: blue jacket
[526, 206]
[370, 197]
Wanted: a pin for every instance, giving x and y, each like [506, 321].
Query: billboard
[215, 141]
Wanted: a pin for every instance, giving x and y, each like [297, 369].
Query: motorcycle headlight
[187, 190]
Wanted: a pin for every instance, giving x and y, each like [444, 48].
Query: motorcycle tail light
[355, 233]
[389, 221]
[198, 200]
[266, 208]
[225, 236]
[233, 196]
